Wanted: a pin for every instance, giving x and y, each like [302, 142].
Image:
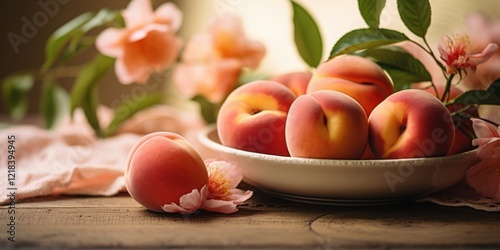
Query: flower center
[218, 185]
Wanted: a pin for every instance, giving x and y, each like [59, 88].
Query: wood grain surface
[72, 222]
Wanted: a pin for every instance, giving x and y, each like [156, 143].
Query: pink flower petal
[194, 200]
[486, 54]
[490, 150]
[230, 172]
[129, 72]
[154, 52]
[169, 14]
[144, 31]
[160, 50]
[199, 49]
[138, 13]
[239, 196]
[224, 76]
[213, 80]
[188, 203]
[228, 36]
[484, 129]
[220, 206]
[174, 208]
[185, 78]
[253, 54]
[110, 42]
[484, 177]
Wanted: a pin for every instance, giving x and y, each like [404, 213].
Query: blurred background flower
[147, 43]
[34, 22]
[212, 62]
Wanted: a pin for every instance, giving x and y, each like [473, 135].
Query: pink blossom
[483, 31]
[212, 62]
[219, 195]
[213, 79]
[230, 41]
[223, 196]
[147, 43]
[188, 203]
[484, 177]
[457, 56]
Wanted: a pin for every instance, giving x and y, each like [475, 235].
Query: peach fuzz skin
[355, 76]
[327, 125]
[463, 126]
[162, 167]
[295, 81]
[410, 124]
[253, 116]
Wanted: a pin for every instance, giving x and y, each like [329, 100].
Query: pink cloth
[71, 160]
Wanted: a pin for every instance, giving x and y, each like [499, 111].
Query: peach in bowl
[337, 181]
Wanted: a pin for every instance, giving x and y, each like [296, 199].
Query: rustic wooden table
[71, 222]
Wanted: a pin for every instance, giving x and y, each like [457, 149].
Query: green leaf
[416, 15]
[399, 77]
[88, 78]
[208, 109]
[76, 47]
[370, 11]
[130, 108]
[361, 39]
[478, 97]
[102, 17]
[79, 42]
[89, 106]
[61, 36]
[494, 87]
[54, 104]
[307, 36]
[15, 88]
[403, 68]
[73, 32]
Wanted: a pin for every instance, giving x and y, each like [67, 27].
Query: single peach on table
[253, 116]
[326, 124]
[410, 124]
[355, 76]
[296, 81]
[162, 167]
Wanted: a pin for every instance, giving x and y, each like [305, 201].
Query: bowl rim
[203, 137]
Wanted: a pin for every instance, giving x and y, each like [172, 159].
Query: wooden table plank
[265, 222]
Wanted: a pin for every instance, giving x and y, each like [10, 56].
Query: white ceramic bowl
[342, 181]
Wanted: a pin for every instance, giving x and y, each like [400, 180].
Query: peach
[161, 167]
[464, 132]
[295, 81]
[253, 117]
[326, 124]
[463, 125]
[355, 76]
[410, 124]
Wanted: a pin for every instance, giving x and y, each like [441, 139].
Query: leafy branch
[64, 44]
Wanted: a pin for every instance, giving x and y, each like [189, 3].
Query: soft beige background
[264, 20]
[270, 22]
